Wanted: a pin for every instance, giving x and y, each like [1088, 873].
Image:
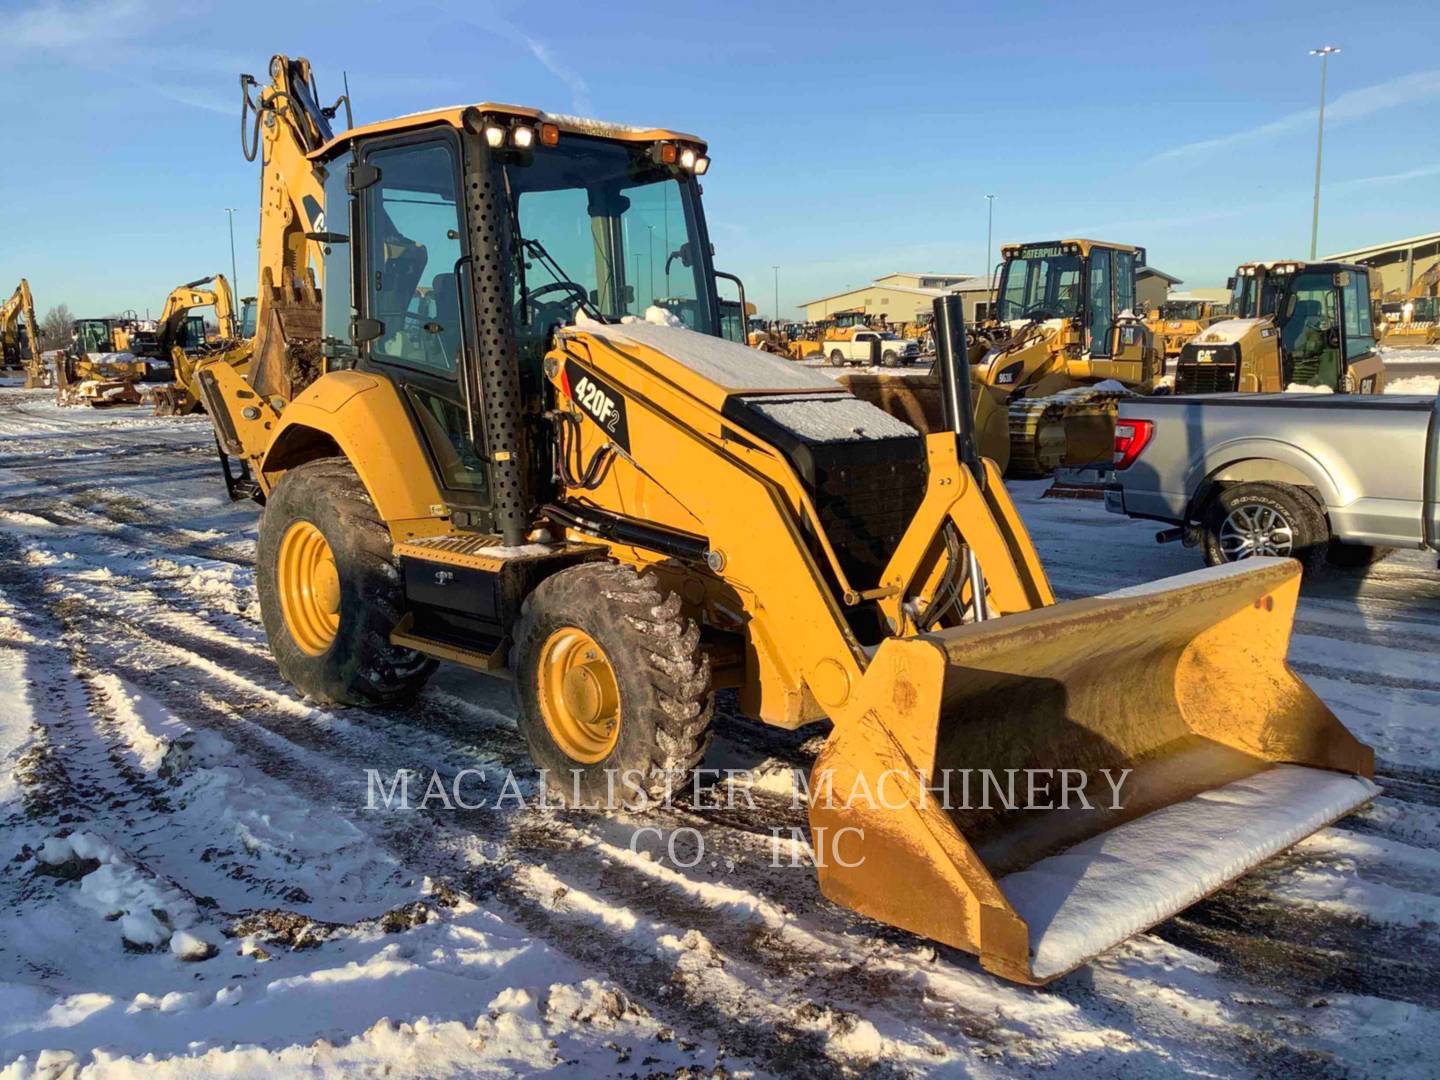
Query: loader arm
[1181, 688]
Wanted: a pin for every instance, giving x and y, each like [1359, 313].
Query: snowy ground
[207, 805]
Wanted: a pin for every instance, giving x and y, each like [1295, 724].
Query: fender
[361, 416]
[1333, 490]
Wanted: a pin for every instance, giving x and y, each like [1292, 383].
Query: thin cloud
[54, 26]
[1351, 105]
[1386, 179]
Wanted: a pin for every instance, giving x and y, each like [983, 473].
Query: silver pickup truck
[1327, 479]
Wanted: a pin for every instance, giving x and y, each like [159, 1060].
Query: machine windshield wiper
[582, 296]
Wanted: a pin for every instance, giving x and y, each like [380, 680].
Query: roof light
[687, 158]
[663, 153]
[494, 135]
[523, 137]
[549, 134]
[702, 165]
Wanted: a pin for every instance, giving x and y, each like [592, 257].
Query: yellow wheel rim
[579, 698]
[309, 587]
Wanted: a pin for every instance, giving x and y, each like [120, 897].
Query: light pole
[777, 293]
[234, 276]
[989, 234]
[1324, 52]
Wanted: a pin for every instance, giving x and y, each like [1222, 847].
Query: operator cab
[562, 220]
[1323, 314]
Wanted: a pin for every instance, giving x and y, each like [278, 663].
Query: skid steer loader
[1291, 323]
[477, 441]
[177, 341]
[1065, 345]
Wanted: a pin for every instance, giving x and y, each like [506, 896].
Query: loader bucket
[1190, 751]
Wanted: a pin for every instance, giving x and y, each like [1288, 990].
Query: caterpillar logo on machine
[598, 400]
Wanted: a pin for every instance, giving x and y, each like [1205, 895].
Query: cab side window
[414, 239]
[1359, 329]
[1101, 311]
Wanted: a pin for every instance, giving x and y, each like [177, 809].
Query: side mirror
[1230, 283]
[1342, 278]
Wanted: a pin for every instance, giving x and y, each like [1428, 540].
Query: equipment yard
[142, 717]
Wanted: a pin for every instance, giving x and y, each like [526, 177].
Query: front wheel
[612, 688]
[329, 591]
[1258, 519]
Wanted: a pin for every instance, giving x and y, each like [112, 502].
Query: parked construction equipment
[1178, 319]
[1064, 346]
[175, 336]
[481, 443]
[1412, 317]
[20, 344]
[1291, 323]
[99, 369]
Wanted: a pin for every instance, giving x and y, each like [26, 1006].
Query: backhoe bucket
[1039, 787]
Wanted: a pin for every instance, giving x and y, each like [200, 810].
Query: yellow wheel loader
[477, 441]
[1178, 319]
[20, 345]
[1291, 323]
[177, 340]
[1064, 346]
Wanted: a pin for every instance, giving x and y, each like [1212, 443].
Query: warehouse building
[1397, 263]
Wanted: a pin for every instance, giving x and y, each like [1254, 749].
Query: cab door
[1364, 370]
[410, 293]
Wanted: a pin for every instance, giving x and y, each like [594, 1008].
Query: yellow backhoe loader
[1291, 323]
[1178, 319]
[99, 368]
[480, 443]
[1064, 346]
[1412, 317]
[20, 345]
[176, 339]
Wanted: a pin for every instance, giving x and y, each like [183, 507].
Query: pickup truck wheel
[1256, 519]
[837, 358]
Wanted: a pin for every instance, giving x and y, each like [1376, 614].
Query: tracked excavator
[477, 442]
[1065, 344]
[1292, 323]
[176, 339]
[20, 345]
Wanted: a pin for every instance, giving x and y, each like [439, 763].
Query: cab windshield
[601, 228]
[1182, 309]
[93, 336]
[1042, 287]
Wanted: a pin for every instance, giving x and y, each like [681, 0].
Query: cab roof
[453, 115]
[1300, 264]
[1084, 244]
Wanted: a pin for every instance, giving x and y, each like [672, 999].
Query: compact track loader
[1291, 323]
[177, 341]
[1065, 345]
[20, 345]
[477, 441]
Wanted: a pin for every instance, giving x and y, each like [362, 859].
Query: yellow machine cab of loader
[1290, 322]
[487, 429]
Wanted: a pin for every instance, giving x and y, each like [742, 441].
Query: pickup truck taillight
[1131, 436]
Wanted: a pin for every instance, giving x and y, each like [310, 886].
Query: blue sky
[849, 140]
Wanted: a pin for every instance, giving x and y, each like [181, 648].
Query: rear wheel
[889, 358]
[1258, 519]
[837, 358]
[330, 593]
[613, 690]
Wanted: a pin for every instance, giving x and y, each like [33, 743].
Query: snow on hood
[1302, 388]
[728, 365]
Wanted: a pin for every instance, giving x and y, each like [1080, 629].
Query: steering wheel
[1039, 313]
[576, 296]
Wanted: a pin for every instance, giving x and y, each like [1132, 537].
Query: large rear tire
[1252, 519]
[330, 593]
[612, 688]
